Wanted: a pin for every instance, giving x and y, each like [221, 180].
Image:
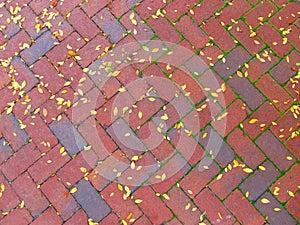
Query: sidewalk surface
[149, 112]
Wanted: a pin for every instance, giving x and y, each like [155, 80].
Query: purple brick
[68, 136]
[39, 48]
[10, 29]
[247, 91]
[24, 73]
[274, 150]
[213, 141]
[5, 151]
[234, 60]
[279, 217]
[12, 132]
[91, 202]
[260, 181]
[110, 25]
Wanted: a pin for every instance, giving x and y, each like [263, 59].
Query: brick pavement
[96, 132]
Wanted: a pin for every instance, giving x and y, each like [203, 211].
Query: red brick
[49, 216]
[257, 68]
[176, 168]
[293, 36]
[289, 182]
[219, 34]
[238, 204]
[158, 214]
[237, 112]
[89, 53]
[60, 52]
[93, 6]
[293, 145]
[20, 161]
[4, 78]
[293, 206]
[82, 110]
[192, 32]
[48, 75]
[275, 150]
[98, 181]
[67, 6]
[285, 16]
[164, 30]
[80, 218]
[105, 114]
[10, 126]
[34, 200]
[71, 173]
[39, 5]
[211, 54]
[9, 199]
[48, 165]
[178, 202]
[119, 7]
[110, 219]
[229, 181]
[242, 32]
[274, 92]
[82, 24]
[141, 31]
[263, 9]
[234, 11]
[14, 44]
[60, 27]
[289, 68]
[214, 208]
[17, 216]
[206, 9]
[177, 8]
[149, 7]
[2, 39]
[142, 221]
[96, 136]
[114, 198]
[196, 180]
[259, 182]
[59, 197]
[234, 60]
[28, 104]
[10, 28]
[265, 115]
[109, 25]
[271, 36]
[30, 21]
[7, 96]
[91, 202]
[245, 148]
[274, 217]
[40, 133]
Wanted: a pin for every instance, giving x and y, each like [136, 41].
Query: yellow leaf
[137, 201]
[120, 187]
[276, 209]
[140, 115]
[116, 111]
[262, 168]
[73, 190]
[155, 50]
[135, 158]
[291, 194]
[2, 187]
[265, 201]
[253, 121]
[239, 73]
[61, 150]
[124, 222]
[248, 170]
[151, 99]
[72, 53]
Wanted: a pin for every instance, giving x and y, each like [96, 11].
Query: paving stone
[68, 136]
[206, 9]
[157, 215]
[19, 216]
[275, 150]
[234, 60]
[26, 189]
[258, 182]
[80, 218]
[48, 216]
[293, 207]
[215, 210]
[91, 202]
[109, 24]
[39, 48]
[5, 151]
[9, 199]
[238, 204]
[274, 217]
